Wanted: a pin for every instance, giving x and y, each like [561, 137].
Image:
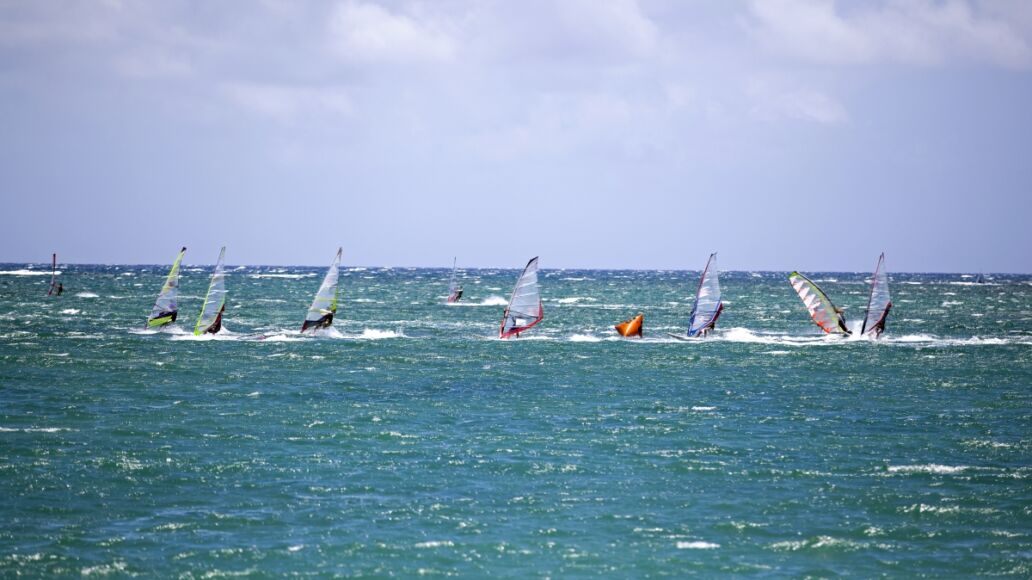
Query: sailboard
[454, 288]
[525, 308]
[632, 327]
[210, 319]
[53, 275]
[880, 302]
[824, 313]
[166, 308]
[324, 306]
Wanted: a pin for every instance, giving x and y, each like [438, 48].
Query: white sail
[454, 289]
[210, 319]
[707, 300]
[880, 302]
[166, 308]
[525, 308]
[324, 306]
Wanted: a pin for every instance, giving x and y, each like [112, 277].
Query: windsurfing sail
[454, 288]
[324, 306]
[53, 275]
[165, 307]
[880, 302]
[210, 319]
[525, 308]
[707, 306]
[631, 327]
[823, 312]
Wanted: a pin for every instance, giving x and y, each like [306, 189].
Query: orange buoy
[631, 327]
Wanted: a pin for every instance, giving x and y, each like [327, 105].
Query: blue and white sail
[707, 306]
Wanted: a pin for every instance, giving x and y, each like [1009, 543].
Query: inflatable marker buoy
[631, 327]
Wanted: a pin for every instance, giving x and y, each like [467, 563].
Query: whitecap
[697, 546]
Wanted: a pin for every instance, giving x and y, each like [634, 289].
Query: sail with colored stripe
[707, 306]
[454, 288]
[880, 302]
[53, 275]
[823, 312]
[166, 307]
[210, 319]
[525, 308]
[324, 306]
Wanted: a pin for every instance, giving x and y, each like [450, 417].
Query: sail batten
[824, 313]
[210, 319]
[525, 308]
[324, 305]
[879, 303]
[707, 307]
[166, 307]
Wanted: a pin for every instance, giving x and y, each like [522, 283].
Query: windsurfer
[60, 288]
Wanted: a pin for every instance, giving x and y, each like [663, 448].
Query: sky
[785, 134]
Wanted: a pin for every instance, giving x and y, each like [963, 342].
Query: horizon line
[751, 270]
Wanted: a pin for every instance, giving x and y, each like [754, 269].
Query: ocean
[409, 440]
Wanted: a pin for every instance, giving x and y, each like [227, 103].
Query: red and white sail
[525, 308]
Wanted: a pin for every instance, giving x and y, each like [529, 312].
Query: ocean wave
[87, 295]
[374, 334]
[489, 301]
[25, 273]
[932, 468]
[284, 276]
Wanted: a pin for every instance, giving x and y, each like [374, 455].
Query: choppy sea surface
[409, 440]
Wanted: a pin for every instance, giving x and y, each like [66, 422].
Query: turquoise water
[411, 441]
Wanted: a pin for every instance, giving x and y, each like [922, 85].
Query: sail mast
[166, 308]
[210, 318]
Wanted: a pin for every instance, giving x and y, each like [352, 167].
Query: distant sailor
[60, 288]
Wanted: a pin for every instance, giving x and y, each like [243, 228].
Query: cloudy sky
[598, 134]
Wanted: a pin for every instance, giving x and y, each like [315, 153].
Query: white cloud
[287, 103]
[152, 64]
[365, 32]
[774, 100]
[913, 32]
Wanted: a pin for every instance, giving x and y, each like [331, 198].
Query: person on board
[458, 294]
[842, 320]
[60, 288]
